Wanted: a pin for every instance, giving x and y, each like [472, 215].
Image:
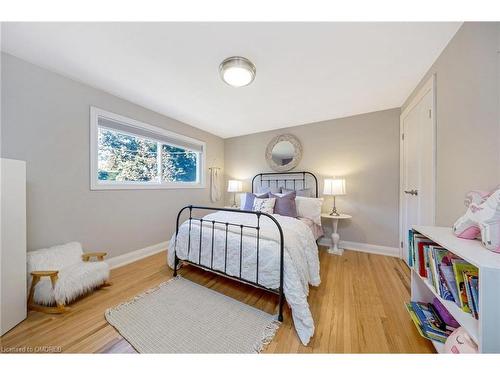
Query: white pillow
[265, 205]
[243, 199]
[280, 194]
[309, 208]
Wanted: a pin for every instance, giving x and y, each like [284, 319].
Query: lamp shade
[234, 186]
[334, 186]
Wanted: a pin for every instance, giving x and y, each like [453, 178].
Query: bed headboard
[288, 180]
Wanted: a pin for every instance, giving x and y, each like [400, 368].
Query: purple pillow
[285, 205]
[250, 197]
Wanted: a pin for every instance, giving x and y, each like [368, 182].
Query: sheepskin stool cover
[75, 277]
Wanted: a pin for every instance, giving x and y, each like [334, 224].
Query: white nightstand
[334, 249]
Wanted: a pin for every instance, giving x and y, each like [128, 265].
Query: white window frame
[96, 184]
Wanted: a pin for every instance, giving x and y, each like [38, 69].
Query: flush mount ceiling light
[237, 71]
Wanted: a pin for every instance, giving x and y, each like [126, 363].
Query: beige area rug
[180, 316]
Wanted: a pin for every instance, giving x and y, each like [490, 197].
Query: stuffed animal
[477, 196]
[482, 218]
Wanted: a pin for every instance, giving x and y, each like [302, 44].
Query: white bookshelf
[485, 331]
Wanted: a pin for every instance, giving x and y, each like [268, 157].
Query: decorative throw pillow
[300, 193]
[285, 204]
[247, 199]
[265, 205]
[309, 208]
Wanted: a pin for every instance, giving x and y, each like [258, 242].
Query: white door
[418, 163]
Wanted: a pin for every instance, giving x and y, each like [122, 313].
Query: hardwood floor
[358, 308]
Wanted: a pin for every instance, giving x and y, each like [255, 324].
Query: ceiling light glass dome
[237, 71]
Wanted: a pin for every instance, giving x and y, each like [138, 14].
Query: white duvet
[301, 262]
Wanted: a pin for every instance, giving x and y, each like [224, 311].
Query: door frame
[429, 86]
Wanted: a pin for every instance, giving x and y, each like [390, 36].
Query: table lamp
[334, 186]
[234, 186]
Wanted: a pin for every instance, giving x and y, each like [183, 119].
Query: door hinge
[401, 244]
[430, 113]
[403, 136]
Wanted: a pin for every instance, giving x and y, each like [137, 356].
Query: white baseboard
[363, 247]
[135, 255]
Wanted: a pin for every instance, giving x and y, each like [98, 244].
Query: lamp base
[334, 212]
[334, 209]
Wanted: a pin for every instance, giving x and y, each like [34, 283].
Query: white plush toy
[482, 218]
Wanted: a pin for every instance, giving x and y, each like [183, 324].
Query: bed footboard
[226, 225]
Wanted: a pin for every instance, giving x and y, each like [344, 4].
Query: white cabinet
[13, 244]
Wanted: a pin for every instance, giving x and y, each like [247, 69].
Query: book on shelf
[422, 265]
[468, 281]
[416, 321]
[444, 291]
[469, 295]
[417, 252]
[474, 286]
[451, 277]
[428, 321]
[448, 319]
[411, 258]
[459, 267]
[432, 267]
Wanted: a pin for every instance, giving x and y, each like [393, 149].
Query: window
[128, 154]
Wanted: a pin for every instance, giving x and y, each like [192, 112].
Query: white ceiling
[306, 72]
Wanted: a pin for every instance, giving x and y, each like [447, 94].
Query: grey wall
[45, 121]
[364, 149]
[468, 137]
